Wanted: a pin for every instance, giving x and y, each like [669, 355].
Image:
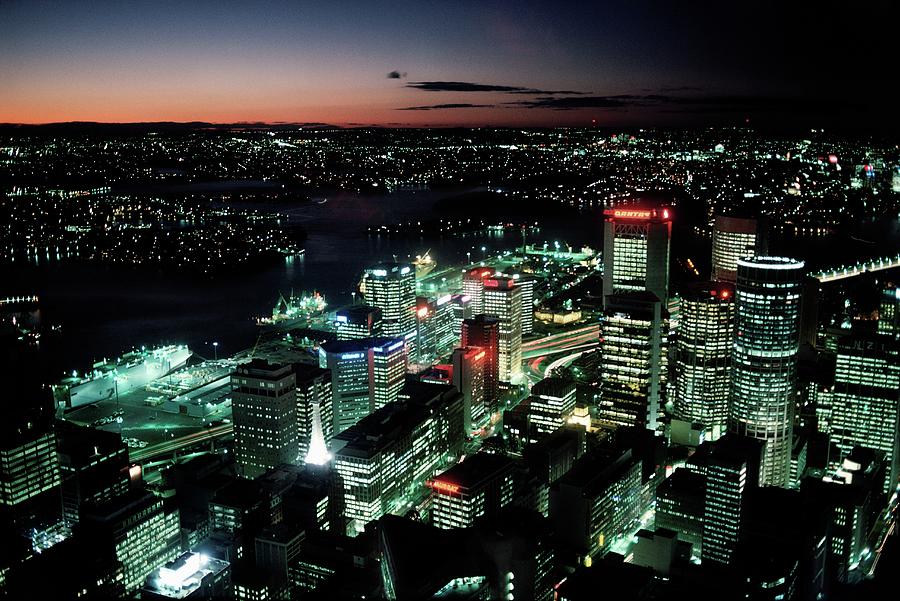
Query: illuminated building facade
[264, 407]
[597, 501]
[527, 284]
[733, 238]
[866, 399]
[764, 359]
[434, 327]
[503, 299]
[468, 378]
[633, 361]
[357, 321]
[473, 287]
[703, 356]
[483, 331]
[315, 414]
[481, 485]
[889, 311]
[552, 402]
[135, 528]
[93, 465]
[394, 449]
[392, 288]
[365, 374]
[636, 251]
[29, 465]
[462, 310]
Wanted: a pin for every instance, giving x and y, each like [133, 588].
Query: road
[540, 355]
[180, 443]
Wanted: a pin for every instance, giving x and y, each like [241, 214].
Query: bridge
[850, 271]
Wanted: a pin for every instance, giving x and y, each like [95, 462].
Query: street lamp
[216, 350]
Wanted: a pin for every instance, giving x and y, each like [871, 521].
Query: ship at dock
[424, 264]
[294, 310]
[131, 371]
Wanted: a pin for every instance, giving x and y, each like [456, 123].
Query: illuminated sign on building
[445, 487]
[638, 213]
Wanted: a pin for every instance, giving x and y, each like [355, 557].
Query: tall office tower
[503, 299]
[365, 374]
[483, 331]
[636, 251]
[734, 238]
[468, 378]
[764, 359]
[481, 485]
[462, 310]
[315, 416]
[889, 311]
[866, 399]
[395, 449]
[473, 287]
[552, 401]
[93, 465]
[264, 408]
[137, 530]
[29, 464]
[633, 361]
[392, 288]
[731, 466]
[527, 284]
[434, 327]
[703, 356]
[596, 502]
[357, 321]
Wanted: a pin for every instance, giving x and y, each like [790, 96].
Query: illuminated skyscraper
[481, 485]
[503, 299]
[365, 374]
[764, 359]
[462, 309]
[265, 416]
[552, 401]
[473, 287]
[636, 251]
[633, 360]
[527, 283]
[889, 311]
[733, 238]
[468, 378]
[866, 399]
[703, 355]
[357, 321]
[434, 327]
[483, 331]
[392, 288]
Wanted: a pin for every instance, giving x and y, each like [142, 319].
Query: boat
[295, 308]
[424, 264]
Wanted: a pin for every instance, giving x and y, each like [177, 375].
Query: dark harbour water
[106, 310]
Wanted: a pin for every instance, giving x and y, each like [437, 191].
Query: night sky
[451, 63]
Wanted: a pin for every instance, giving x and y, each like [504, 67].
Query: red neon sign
[447, 487]
[632, 214]
[492, 283]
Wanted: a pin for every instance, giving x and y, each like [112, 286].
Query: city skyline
[469, 64]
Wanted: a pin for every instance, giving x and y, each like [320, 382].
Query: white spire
[318, 453]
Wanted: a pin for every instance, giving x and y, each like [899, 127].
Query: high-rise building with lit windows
[137, 529]
[866, 399]
[264, 407]
[734, 238]
[764, 359]
[889, 311]
[434, 327]
[357, 321]
[365, 374]
[633, 362]
[703, 355]
[480, 485]
[483, 331]
[636, 250]
[468, 378]
[473, 287]
[394, 450]
[503, 299]
[527, 284]
[552, 402]
[392, 288]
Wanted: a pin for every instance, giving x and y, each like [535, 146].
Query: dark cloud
[432, 107]
[670, 103]
[396, 75]
[576, 102]
[465, 86]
